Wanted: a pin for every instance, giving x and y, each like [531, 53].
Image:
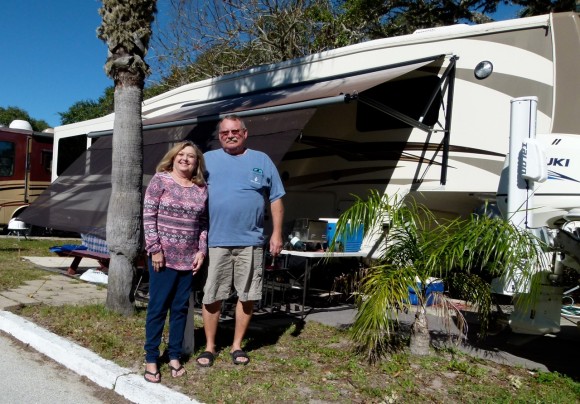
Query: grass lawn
[294, 362]
[13, 269]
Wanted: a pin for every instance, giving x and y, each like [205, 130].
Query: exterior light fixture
[483, 70]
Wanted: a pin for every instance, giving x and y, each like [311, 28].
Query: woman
[175, 223]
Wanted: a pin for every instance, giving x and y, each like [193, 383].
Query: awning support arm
[449, 76]
[447, 134]
[447, 72]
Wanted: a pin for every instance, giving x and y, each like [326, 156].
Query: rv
[425, 115]
[25, 164]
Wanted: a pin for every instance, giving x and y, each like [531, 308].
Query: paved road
[29, 377]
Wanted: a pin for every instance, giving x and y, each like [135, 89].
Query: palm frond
[473, 288]
[414, 246]
[383, 292]
[496, 247]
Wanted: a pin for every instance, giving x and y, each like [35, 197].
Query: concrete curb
[86, 363]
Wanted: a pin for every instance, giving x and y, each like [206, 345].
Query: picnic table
[79, 252]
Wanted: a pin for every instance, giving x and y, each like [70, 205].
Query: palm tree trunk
[420, 338]
[124, 212]
[126, 29]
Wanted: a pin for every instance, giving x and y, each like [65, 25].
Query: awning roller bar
[343, 98]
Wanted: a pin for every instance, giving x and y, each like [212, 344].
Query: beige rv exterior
[386, 134]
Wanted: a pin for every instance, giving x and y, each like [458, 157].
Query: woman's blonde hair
[166, 163]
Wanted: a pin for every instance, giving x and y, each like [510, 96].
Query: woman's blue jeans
[169, 290]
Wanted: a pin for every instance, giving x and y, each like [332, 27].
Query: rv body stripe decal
[553, 175]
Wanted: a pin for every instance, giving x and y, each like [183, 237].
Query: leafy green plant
[412, 247]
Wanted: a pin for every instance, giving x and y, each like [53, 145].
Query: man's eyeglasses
[234, 132]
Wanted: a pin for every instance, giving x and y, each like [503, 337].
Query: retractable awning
[306, 94]
[78, 199]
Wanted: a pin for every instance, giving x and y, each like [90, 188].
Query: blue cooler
[353, 242]
[436, 285]
[330, 230]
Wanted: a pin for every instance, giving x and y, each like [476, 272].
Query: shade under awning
[78, 199]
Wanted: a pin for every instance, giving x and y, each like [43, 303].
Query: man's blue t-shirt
[238, 186]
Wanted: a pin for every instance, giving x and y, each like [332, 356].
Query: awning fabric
[78, 200]
[292, 96]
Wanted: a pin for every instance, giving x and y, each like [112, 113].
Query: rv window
[407, 96]
[69, 149]
[47, 160]
[7, 159]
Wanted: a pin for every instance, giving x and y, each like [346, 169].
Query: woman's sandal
[156, 375]
[175, 371]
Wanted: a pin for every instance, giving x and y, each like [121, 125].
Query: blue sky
[52, 58]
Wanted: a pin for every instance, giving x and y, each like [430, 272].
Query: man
[239, 179]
